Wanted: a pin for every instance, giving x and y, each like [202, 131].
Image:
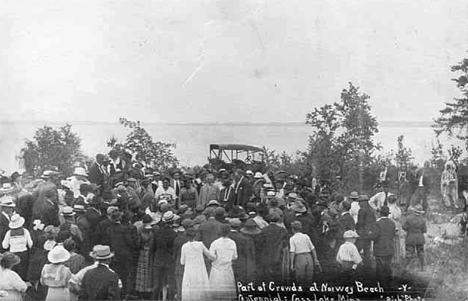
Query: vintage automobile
[229, 156]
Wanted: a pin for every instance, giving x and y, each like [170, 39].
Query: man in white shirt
[348, 255]
[166, 190]
[303, 255]
[354, 200]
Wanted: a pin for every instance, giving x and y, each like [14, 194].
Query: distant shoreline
[382, 123]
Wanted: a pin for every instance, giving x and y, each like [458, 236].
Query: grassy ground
[446, 254]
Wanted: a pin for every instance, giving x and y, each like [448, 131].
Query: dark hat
[9, 259]
[188, 223]
[250, 227]
[107, 195]
[274, 217]
[235, 222]
[346, 205]
[220, 211]
[384, 210]
[116, 215]
[199, 209]
[363, 198]
[176, 170]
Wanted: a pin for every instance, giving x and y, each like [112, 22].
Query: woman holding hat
[56, 275]
[18, 241]
[9, 280]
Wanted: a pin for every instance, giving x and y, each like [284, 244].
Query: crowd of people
[122, 231]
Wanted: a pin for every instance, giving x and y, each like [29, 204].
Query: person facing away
[303, 257]
[415, 227]
[56, 275]
[195, 282]
[364, 225]
[222, 281]
[100, 283]
[243, 266]
[345, 222]
[10, 281]
[348, 256]
[383, 235]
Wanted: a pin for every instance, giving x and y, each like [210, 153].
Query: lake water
[192, 141]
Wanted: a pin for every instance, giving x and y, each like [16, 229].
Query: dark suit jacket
[123, 240]
[100, 284]
[209, 231]
[273, 240]
[244, 192]
[365, 223]
[95, 175]
[243, 269]
[4, 222]
[163, 246]
[49, 214]
[345, 223]
[384, 237]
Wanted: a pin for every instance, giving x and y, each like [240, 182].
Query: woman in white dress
[395, 215]
[10, 281]
[195, 283]
[222, 282]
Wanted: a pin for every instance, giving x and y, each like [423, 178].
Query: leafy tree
[156, 154]
[403, 156]
[59, 148]
[453, 118]
[341, 145]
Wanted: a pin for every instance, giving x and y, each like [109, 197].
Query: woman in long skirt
[395, 215]
[143, 284]
[222, 282]
[195, 283]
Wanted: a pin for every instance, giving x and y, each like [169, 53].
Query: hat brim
[93, 255]
[251, 231]
[73, 213]
[8, 206]
[16, 224]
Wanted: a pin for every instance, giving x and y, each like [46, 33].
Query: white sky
[225, 60]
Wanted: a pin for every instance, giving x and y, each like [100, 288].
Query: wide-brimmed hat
[131, 180]
[271, 194]
[176, 170]
[168, 217]
[7, 201]
[101, 252]
[58, 254]
[10, 259]
[213, 203]
[292, 196]
[350, 234]
[16, 221]
[298, 207]
[258, 175]
[6, 188]
[249, 172]
[49, 173]
[79, 208]
[68, 211]
[354, 195]
[80, 171]
[250, 227]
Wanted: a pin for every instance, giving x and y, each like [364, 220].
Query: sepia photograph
[233, 150]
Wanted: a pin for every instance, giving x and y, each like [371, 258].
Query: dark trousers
[383, 269]
[163, 275]
[412, 251]
[123, 268]
[365, 245]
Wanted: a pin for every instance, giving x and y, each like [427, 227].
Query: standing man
[422, 190]
[98, 172]
[345, 222]
[384, 235]
[208, 191]
[364, 226]
[242, 188]
[176, 184]
[227, 197]
[8, 207]
[100, 283]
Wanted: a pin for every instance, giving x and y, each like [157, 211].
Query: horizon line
[240, 123]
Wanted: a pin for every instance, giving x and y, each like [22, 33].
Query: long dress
[222, 282]
[449, 187]
[56, 277]
[195, 283]
[395, 215]
[143, 275]
[12, 283]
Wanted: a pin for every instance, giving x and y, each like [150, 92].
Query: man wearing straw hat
[100, 283]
